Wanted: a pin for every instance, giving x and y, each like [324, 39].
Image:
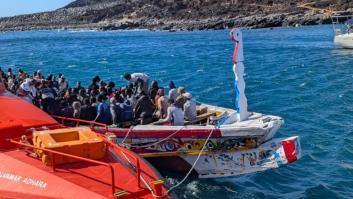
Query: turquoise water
[296, 73]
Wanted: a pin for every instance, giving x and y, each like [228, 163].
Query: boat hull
[207, 164]
[269, 155]
[344, 40]
[155, 140]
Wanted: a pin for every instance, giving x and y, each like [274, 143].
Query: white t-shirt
[176, 116]
[142, 76]
[173, 94]
[190, 110]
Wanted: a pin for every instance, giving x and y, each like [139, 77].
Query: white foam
[103, 62]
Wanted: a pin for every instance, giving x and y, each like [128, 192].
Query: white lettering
[9, 176]
[27, 181]
[36, 183]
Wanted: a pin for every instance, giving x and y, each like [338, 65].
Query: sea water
[296, 73]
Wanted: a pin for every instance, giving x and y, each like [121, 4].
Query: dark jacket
[144, 105]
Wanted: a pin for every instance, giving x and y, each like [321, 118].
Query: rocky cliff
[176, 14]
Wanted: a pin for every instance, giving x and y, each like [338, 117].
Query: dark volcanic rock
[175, 14]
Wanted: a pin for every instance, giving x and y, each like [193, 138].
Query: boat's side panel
[160, 132]
[269, 155]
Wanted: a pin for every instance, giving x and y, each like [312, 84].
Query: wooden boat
[209, 151]
[61, 162]
[221, 142]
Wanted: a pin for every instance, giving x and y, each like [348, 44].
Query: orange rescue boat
[42, 159]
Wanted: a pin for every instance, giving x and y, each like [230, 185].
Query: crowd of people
[139, 102]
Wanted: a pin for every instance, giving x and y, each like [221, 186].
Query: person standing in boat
[189, 107]
[141, 79]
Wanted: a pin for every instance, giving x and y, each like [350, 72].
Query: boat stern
[270, 155]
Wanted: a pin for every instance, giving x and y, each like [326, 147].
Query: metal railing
[111, 168]
[124, 152]
[79, 121]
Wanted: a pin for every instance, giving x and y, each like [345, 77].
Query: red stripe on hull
[148, 133]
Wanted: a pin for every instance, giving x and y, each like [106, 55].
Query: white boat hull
[270, 155]
[344, 40]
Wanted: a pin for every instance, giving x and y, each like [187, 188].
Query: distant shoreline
[171, 15]
[144, 29]
[107, 28]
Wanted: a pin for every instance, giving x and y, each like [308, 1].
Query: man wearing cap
[189, 107]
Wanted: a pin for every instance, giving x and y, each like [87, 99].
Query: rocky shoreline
[170, 15]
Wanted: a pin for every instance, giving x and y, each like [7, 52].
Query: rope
[166, 138]
[189, 172]
[162, 140]
[127, 134]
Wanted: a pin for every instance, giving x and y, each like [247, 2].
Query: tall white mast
[241, 102]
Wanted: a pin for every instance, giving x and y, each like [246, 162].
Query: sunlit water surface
[296, 73]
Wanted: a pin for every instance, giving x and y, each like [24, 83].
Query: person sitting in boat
[10, 81]
[38, 77]
[175, 114]
[121, 112]
[141, 79]
[9, 72]
[153, 91]
[63, 85]
[115, 111]
[93, 86]
[21, 74]
[103, 110]
[88, 112]
[28, 87]
[161, 104]
[48, 102]
[78, 87]
[173, 93]
[81, 95]
[181, 99]
[76, 105]
[189, 107]
[144, 109]
[130, 98]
